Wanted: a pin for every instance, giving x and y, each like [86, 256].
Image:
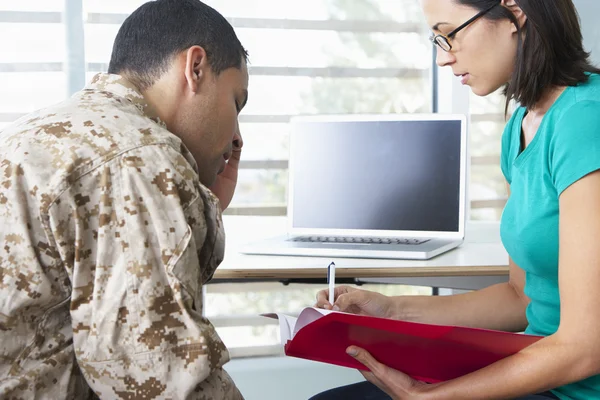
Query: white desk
[479, 262]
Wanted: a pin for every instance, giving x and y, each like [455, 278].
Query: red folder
[429, 353]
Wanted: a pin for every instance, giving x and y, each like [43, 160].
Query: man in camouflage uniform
[107, 227]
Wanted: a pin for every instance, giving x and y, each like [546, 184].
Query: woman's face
[483, 53]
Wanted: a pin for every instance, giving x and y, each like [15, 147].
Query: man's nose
[238, 142]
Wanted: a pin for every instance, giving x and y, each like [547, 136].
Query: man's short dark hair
[158, 30]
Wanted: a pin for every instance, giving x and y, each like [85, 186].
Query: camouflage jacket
[106, 238]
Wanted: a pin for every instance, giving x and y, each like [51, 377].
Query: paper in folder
[430, 353]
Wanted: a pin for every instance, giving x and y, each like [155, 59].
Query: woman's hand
[357, 301]
[396, 384]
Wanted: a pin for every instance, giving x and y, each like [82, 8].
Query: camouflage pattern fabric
[106, 238]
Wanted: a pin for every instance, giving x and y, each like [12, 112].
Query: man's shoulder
[61, 143]
[90, 119]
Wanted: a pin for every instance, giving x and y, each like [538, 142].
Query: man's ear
[196, 68]
[517, 12]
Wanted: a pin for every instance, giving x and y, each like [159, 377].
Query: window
[22, 68]
[487, 186]
[315, 57]
[320, 57]
[310, 57]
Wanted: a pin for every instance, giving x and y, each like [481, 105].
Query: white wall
[589, 11]
[279, 378]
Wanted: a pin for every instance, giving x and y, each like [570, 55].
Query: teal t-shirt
[565, 148]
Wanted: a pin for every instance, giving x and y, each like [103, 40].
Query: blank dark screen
[368, 175]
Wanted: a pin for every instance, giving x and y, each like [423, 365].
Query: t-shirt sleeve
[575, 146]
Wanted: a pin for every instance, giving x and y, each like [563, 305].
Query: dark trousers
[368, 391]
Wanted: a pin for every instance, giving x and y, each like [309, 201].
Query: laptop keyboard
[361, 240]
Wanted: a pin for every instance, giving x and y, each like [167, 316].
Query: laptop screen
[376, 175]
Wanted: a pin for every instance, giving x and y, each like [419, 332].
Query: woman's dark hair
[549, 53]
[156, 31]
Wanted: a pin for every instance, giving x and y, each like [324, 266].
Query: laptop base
[283, 247]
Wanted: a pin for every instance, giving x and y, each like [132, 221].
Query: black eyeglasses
[443, 41]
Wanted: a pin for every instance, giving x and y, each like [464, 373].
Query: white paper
[289, 326]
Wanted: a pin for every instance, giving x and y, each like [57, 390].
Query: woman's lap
[362, 390]
[368, 391]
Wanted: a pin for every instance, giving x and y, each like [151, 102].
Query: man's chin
[208, 181]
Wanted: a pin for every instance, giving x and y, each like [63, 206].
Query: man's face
[207, 121]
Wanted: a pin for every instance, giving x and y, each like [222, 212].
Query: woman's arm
[500, 307]
[573, 352]
[569, 355]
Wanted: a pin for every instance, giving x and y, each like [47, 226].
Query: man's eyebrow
[437, 26]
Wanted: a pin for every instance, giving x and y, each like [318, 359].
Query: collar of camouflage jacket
[119, 86]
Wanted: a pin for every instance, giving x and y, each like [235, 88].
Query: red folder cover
[429, 353]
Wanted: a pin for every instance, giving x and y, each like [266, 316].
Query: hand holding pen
[356, 301]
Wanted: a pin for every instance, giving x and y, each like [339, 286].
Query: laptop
[379, 186]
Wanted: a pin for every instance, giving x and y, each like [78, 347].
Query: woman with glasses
[550, 226]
